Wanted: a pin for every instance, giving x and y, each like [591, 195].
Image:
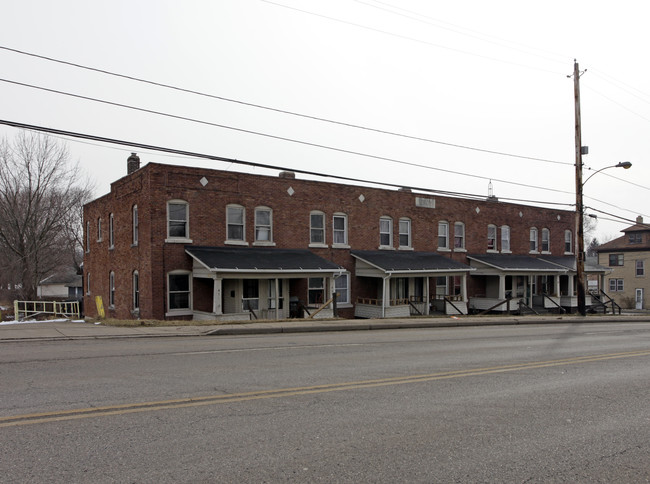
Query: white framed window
[87, 237]
[443, 235]
[533, 239]
[505, 238]
[135, 223]
[616, 260]
[316, 291]
[568, 242]
[546, 240]
[639, 268]
[99, 229]
[385, 232]
[340, 230]
[317, 228]
[342, 288]
[459, 236]
[616, 285]
[136, 290]
[492, 237]
[111, 231]
[263, 225]
[235, 223]
[250, 295]
[111, 289]
[405, 233]
[88, 283]
[178, 221]
[179, 292]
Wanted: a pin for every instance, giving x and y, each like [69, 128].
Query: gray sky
[485, 75]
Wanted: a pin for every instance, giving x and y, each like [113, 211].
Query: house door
[639, 299]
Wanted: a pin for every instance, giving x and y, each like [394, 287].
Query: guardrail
[31, 309]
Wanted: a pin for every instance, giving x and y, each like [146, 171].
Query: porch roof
[517, 263]
[569, 262]
[406, 262]
[260, 260]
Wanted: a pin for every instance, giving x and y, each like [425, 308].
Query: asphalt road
[555, 403]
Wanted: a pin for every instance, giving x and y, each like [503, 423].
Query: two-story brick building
[181, 242]
[626, 256]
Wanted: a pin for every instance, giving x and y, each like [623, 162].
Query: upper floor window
[492, 237]
[87, 236]
[111, 289]
[635, 238]
[263, 224]
[178, 217]
[459, 235]
[136, 290]
[235, 217]
[568, 242]
[505, 238]
[405, 233]
[134, 220]
[88, 283]
[546, 240]
[317, 228]
[615, 259]
[640, 268]
[443, 235]
[533, 239]
[340, 229]
[99, 229]
[111, 231]
[385, 232]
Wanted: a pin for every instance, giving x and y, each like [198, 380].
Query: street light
[580, 255]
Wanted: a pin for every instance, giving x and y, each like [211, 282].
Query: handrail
[448, 299]
[500, 303]
[614, 304]
[415, 307]
[522, 304]
[546, 296]
[321, 308]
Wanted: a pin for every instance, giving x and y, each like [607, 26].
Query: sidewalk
[68, 330]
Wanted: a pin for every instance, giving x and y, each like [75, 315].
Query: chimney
[132, 163]
[639, 219]
[287, 174]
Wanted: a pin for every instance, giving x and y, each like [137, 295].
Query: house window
[136, 290]
[316, 291]
[263, 225]
[492, 237]
[134, 217]
[88, 284]
[505, 238]
[635, 238]
[178, 219]
[317, 228]
[111, 233]
[640, 268]
[568, 242]
[443, 235]
[99, 229]
[615, 260]
[251, 295]
[271, 301]
[441, 287]
[404, 233]
[111, 289]
[459, 235]
[385, 232]
[87, 237]
[178, 291]
[616, 285]
[546, 240]
[342, 287]
[533, 239]
[235, 216]
[340, 229]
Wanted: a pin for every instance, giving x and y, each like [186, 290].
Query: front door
[639, 299]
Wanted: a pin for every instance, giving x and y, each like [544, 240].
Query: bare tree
[41, 195]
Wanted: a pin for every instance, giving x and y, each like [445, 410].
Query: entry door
[639, 298]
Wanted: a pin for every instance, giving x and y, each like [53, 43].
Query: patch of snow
[5, 323]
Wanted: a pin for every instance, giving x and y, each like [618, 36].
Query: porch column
[571, 290]
[426, 295]
[502, 286]
[463, 287]
[556, 286]
[216, 295]
[277, 299]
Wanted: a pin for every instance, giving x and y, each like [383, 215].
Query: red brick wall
[154, 184]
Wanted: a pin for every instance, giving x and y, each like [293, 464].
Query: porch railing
[378, 302]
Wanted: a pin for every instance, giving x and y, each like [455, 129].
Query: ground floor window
[342, 286]
[251, 295]
[316, 290]
[272, 295]
[616, 285]
[179, 291]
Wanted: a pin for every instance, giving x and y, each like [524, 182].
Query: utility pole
[580, 241]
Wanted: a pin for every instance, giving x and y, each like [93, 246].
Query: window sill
[318, 246]
[460, 250]
[386, 247]
[178, 240]
[443, 249]
[547, 252]
[506, 252]
[134, 245]
[568, 253]
[405, 248]
[340, 246]
[178, 312]
[533, 252]
[264, 244]
[492, 251]
[112, 247]
[242, 243]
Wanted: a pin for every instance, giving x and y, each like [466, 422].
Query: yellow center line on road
[64, 415]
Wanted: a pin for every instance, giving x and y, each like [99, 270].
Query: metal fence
[31, 309]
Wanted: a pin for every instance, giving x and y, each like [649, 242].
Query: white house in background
[61, 285]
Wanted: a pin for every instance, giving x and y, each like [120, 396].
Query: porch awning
[569, 262]
[507, 263]
[378, 263]
[260, 261]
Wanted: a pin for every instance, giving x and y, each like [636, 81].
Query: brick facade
[291, 200]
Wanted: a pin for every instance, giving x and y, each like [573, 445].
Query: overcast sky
[483, 84]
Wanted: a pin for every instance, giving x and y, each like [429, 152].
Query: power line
[278, 110]
[281, 138]
[133, 144]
